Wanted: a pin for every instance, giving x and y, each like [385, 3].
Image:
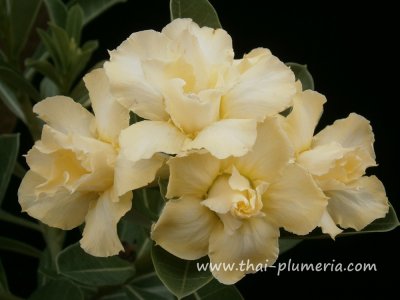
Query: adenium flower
[71, 178]
[193, 94]
[337, 157]
[232, 209]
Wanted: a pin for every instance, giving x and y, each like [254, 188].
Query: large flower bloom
[71, 179]
[193, 94]
[337, 157]
[232, 209]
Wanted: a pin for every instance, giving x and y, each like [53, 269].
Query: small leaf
[3, 279]
[77, 265]
[93, 8]
[149, 202]
[301, 72]
[287, 244]
[60, 289]
[48, 88]
[18, 247]
[181, 277]
[200, 11]
[44, 68]
[10, 100]
[75, 23]
[18, 82]
[9, 146]
[214, 291]
[57, 11]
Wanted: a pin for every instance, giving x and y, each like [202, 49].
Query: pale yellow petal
[65, 115]
[269, 155]
[358, 204]
[184, 228]
[294, 201]
[131, 175]
[353, 132]
[304, 117]
[61, 209]
[192, 175]
[255, 242]
[225, 138]
[328, 226]
[128, 80]
[191, 112]
[111, 117]
[141, 140]
[264, 87]
[100, 237]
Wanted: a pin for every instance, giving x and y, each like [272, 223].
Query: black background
[351, 54]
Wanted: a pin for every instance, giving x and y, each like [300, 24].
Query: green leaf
[9, 146]
[301, 72]
[93, 8]
[44, 68]
[7, 217]
[287, 244]
[60, 289]
[200, 11]
[18, 82]
[77, 265]
[215, 290]
[3, 279]
[57, 11]
[18, 247]
[8, 296]
[149, 202]
[80, 94]
[48, 88]
[11, 101]
[75, 23]
[163, 185]
[181, 277]
[16, 20]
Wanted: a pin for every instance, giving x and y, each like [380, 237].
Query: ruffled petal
[255, 242]
[192, 175]
[111, 117]
[328, 226]
[60, 209]
[294, 201]
[77, 120]
[358, 204]
[100, 237]
[266, 159]
[141, 140]
[225, 138]
[264, 87]
[184, 228]
[304, 117]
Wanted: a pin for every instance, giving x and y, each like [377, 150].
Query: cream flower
[194, 94]
[231, 209]
[337, 157]
[71, 180]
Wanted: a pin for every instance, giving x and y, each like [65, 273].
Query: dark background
[351, 54]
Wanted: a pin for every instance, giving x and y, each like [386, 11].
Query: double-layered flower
[232, 209]
[193, 94]
[337, 157]
[71, 178]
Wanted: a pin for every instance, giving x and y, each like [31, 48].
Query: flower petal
[294, 201]
[141, 140]
[255, 242]
[184, 228]
[78, 120]
[266, 159]
[264, 87]
[328, 225]
[61, 209]
[191, 112]
[225, 138]
[302, 120]
[133, 175]
[111, 117]
[100, 237]
[192, 175]
[358, 204]
[128, 81]
[352, 132]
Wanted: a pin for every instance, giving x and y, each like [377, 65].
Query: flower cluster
[238, 169]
